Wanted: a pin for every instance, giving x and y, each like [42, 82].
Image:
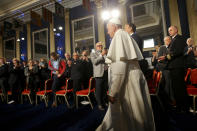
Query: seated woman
[32, 77]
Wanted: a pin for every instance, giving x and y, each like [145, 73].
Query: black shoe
[54, 104]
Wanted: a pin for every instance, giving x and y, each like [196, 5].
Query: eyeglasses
[99, 46]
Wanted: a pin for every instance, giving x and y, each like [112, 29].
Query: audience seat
[154, 85]
[64, 90]
[43, 93]
[191, 88]
[9, 93]
[2, 95]
[86, 92]
[26, 92]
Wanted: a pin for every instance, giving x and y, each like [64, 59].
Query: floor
[31, 117]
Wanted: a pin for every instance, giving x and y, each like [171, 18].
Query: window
[40, 44]
[83, 34]
[148, 17]
[9, 48]
[148, 43]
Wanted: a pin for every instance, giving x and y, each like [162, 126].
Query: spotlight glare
[115, 13]
[54, 29]
[22, 38]
[105, 15]
[60, 28]
[18, 40]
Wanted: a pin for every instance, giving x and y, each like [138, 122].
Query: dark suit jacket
[190, 61]
[77, 69]
[88, 68]
[176, 50]
[163, 51]
[4, 71]
[15, 74]
[138, 40]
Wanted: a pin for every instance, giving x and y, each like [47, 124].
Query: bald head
[190, 42]
[67, 56]
[173, 30]
[75, 56]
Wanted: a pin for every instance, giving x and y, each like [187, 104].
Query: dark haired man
[57, 67]
[131, 29]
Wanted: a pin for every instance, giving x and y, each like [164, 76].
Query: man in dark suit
[176, 67]
[88, 68]
[166, 83]
[3, 77]
[190, 61]
[131, 29]
[77, 73]
[15, 81]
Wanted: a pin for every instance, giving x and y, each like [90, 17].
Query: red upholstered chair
[64, 91]
[26, 92]
[9, 93]
[86, 92]
[151, 82]
[2, 95]
[43, 93]
[155, 87]
[187, 74]
[191, 89]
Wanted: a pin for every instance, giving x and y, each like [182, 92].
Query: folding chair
[26, 92]
[154, 89]
[2, 95]
[9, 93]
[43, 93]
[191, 88]
[151, 82]
[65, 90]
[86, 92]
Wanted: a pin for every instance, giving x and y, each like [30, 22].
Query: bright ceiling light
[60, 28]
[105, 15]
[22, 38]
[54, 29]
[18, 40]
[115, 13]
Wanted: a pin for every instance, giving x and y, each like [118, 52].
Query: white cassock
[132, 111]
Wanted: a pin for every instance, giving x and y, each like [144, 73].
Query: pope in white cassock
[130, 105]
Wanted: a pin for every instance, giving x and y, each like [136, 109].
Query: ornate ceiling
[20, 8]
